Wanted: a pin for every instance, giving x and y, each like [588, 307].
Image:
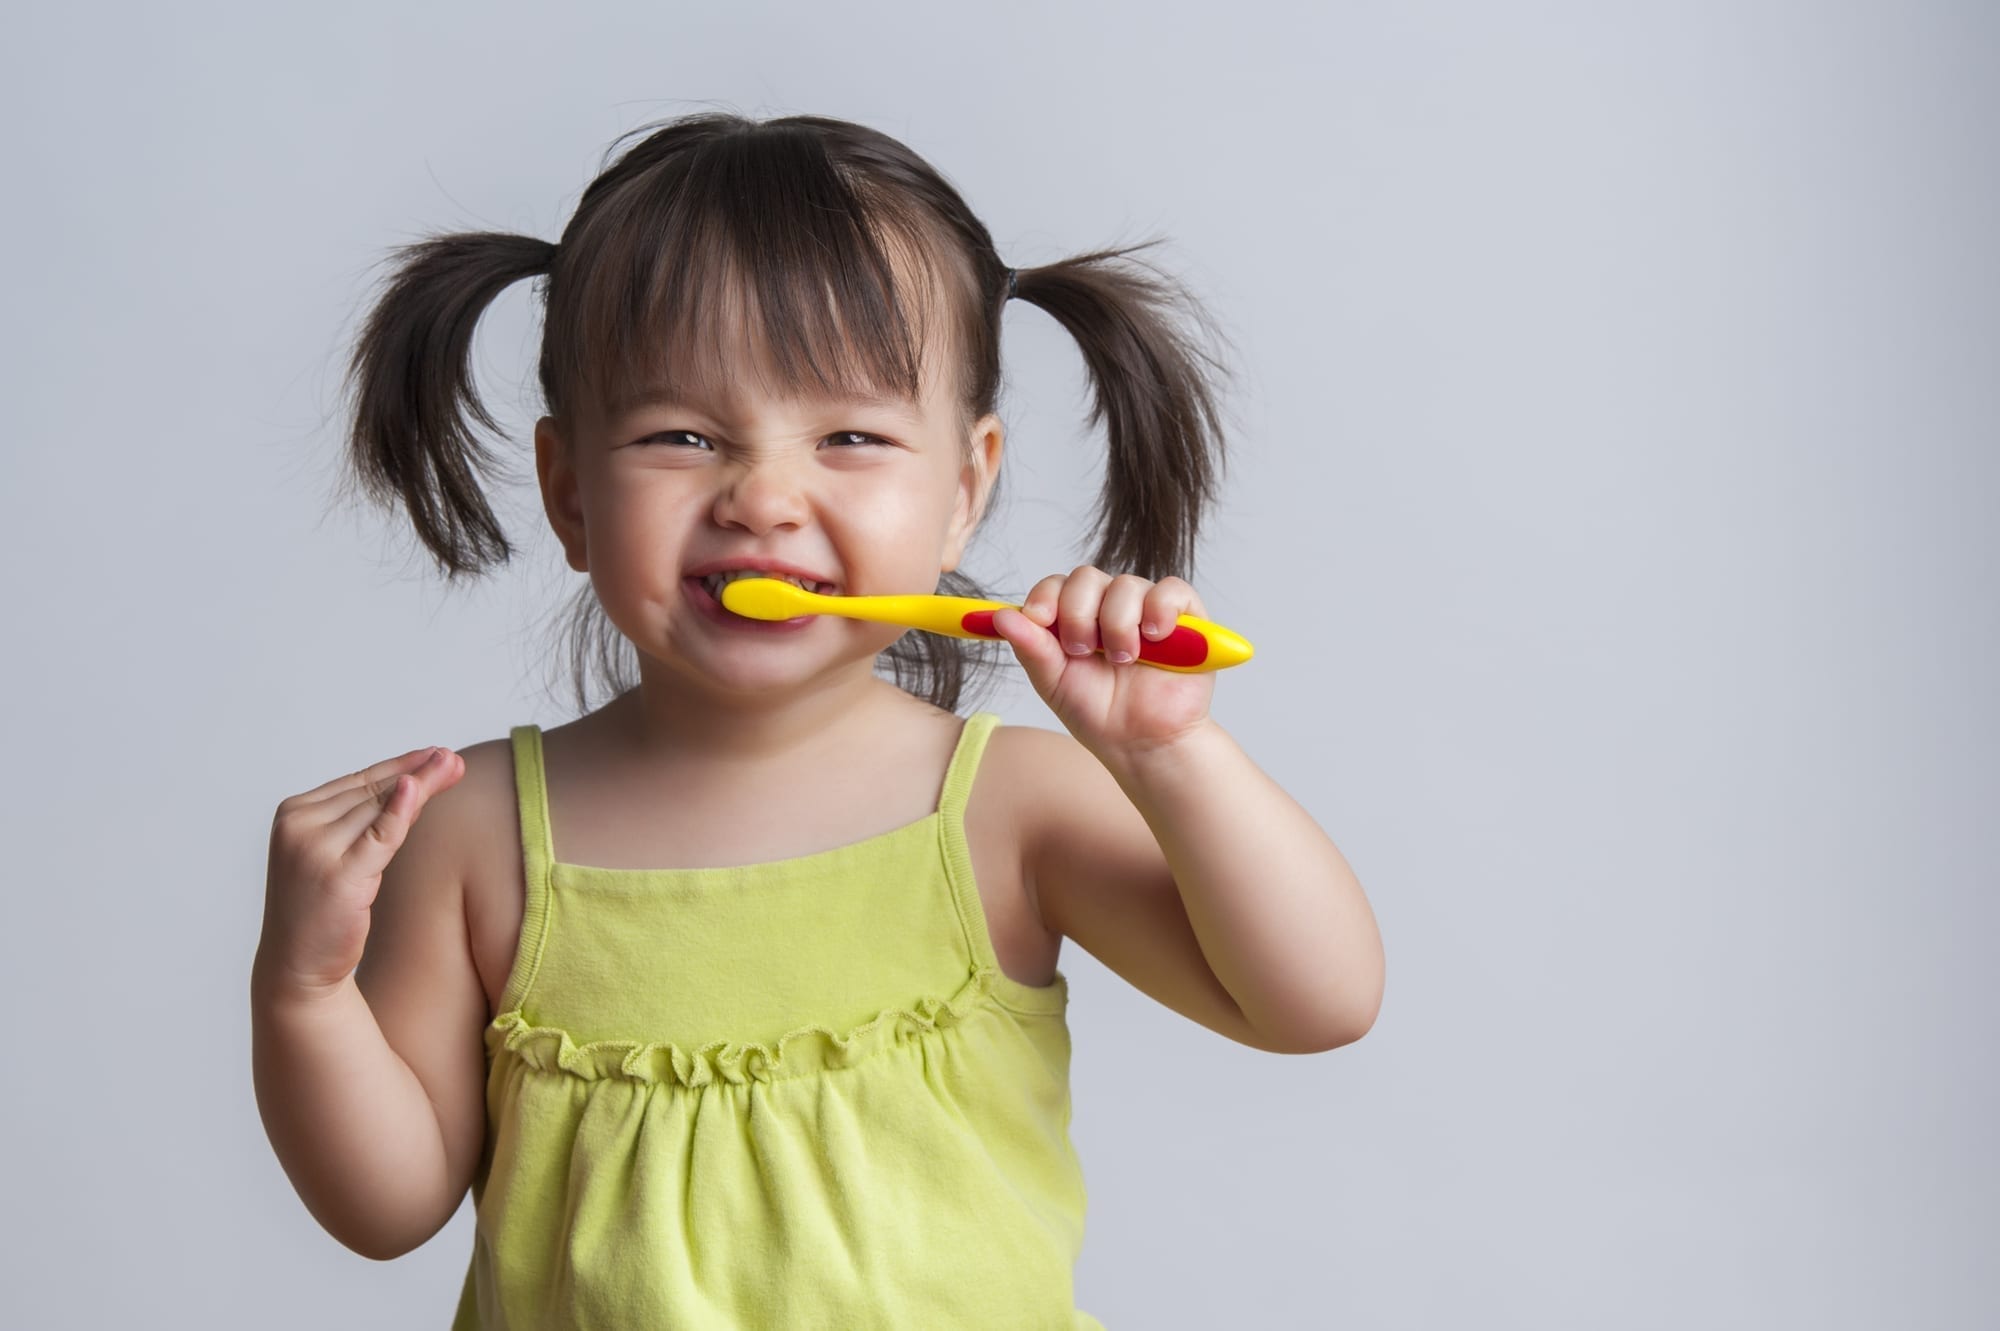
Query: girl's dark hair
[716, 212]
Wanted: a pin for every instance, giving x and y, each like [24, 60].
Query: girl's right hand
[329, 847]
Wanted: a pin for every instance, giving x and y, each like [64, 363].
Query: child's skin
[1145, 832]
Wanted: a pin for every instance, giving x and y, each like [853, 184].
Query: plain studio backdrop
[1611, 510]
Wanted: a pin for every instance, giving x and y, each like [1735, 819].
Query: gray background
[1618, 381]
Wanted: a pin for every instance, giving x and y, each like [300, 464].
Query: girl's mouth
[715, 611]
[715, 582]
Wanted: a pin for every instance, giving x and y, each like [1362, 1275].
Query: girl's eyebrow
[660, 397]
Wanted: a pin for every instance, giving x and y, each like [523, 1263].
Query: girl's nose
[763, 495]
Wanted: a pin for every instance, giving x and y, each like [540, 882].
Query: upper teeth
[717, 581]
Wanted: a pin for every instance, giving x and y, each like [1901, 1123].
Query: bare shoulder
[1040, 778]
[994, 804]
[465, 814]
[482, 825]
[487, 787]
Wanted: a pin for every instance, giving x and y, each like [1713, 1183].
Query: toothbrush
[1194, 646]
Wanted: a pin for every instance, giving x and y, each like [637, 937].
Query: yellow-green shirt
[799, 1094]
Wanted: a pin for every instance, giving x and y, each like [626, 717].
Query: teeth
[717, 581]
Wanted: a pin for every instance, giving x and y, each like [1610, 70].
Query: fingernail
[1149, 628]
[1077, 649]
[1121, 657]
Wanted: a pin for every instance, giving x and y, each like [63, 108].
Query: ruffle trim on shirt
[796, 1053]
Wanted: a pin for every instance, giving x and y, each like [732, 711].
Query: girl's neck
[660, 719]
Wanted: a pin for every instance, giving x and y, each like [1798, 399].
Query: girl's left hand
[1116, 709]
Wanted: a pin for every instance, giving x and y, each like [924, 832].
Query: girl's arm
[349, 1121]
[372, 1101]
[1158, 845]
[1199, 879]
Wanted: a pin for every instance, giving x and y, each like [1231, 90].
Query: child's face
[872, 498]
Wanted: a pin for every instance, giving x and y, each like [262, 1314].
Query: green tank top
[796, 1094]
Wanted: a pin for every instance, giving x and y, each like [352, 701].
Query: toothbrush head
[769, 598]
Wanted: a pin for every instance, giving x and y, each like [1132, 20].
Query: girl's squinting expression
[872, 496]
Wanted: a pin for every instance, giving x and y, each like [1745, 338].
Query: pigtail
[410, 381]
[1154, 395]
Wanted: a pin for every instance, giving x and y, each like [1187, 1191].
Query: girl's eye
[668, 435]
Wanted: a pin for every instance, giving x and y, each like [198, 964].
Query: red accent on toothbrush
[1183, 647]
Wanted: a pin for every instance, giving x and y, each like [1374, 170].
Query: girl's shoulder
[1047, 799]
[1019, 762]
[484, 830]
[1015, 758]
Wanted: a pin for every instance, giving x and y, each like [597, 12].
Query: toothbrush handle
[1194, 646]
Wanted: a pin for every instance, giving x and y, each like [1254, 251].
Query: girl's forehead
[744, 389]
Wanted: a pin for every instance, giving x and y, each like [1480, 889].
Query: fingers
[384, 806]
[370, 782]
[1118, 617]
[1040, 602]
[1076, 609]
[1166, 601]
[380, 801]
[1091, 609]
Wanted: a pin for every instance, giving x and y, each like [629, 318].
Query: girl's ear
[559, 493]
[975, 484]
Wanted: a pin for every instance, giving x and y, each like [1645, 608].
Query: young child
[734, 1000]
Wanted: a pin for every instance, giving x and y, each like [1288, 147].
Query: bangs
[754, 268]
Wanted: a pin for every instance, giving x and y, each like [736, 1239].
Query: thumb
[1040, 654]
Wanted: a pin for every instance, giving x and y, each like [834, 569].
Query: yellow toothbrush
[1195, 645]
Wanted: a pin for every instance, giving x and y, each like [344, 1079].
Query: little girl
[734, 1000]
